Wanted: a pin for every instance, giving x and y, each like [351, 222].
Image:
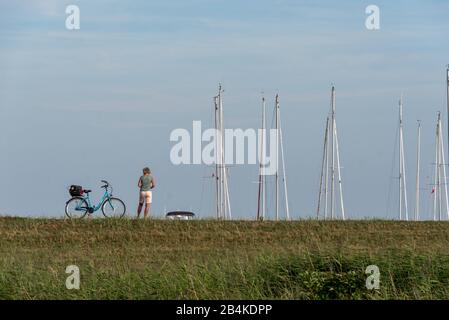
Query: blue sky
[100, 102]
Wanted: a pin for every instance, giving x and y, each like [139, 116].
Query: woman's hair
[146, 170]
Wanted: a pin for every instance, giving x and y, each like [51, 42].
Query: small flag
[433, 190]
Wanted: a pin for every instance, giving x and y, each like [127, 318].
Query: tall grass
[157, 259]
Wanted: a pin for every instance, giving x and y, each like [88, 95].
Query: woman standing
[145, 184]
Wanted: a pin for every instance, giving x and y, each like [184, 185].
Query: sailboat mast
[331, 168]
[435, 176]
[418, 168]
[332, 199]
[447, 101]
[264, 201]
[440, 164]
[259, 192]
[443, 165]
[222, 163]
[261, 195]
[223, 203]
[400, 159]
[277, 157]
[402, 177]
[326, 185]
[217, 155]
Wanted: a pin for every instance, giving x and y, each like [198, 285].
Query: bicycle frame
[106, 196]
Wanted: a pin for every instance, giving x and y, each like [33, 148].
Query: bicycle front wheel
[113, 208]
[76, 208]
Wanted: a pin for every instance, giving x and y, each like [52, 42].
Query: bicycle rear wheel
[76, 208]
[113, 208]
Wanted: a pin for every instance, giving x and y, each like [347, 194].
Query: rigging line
[273, 117]
[205, 170]
[322, 169]
[339, 172]
[428, 203]
[428, 197]
[269, 201]
[228, 202]
[391, 173]
[284, 178]
[202, 193]
[205, 174]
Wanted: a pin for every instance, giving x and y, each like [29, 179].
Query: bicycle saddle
[87, 191]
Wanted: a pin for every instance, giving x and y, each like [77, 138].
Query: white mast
[440, 175]
[279, 144]
[217, 157]
[261, 197]
[277, 157]
[264, 198]
[287, 211]
[222, 191]
[400, 159]
[402, 177]
[264, 143]
[440, 182]
[436, 186]
[333, 154]
[326, 186]
[447, 100]
[331, 164]
[443, 165]
[222, 162]
[342, 206]
[418, 168]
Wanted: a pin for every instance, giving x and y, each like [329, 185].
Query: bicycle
[80, 205]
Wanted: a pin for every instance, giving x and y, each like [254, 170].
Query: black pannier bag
[76, 191]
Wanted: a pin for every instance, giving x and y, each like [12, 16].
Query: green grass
[204, 259]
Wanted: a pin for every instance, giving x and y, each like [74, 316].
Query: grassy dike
[205, 259]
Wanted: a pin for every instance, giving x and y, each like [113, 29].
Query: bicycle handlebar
[106, 184]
